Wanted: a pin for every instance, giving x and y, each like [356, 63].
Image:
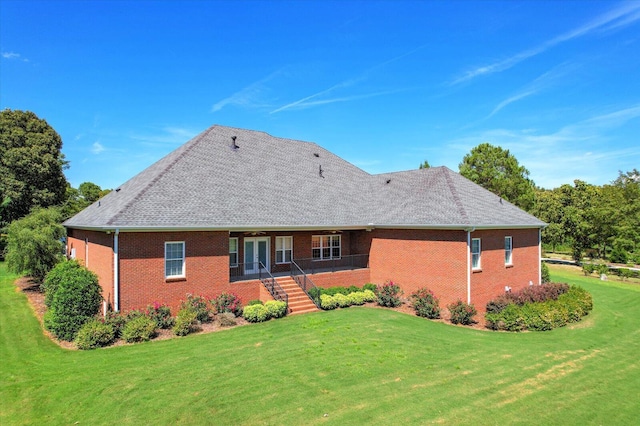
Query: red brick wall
[421, 258]
[357, 277]
[142, 279]
[494, 275]
[100, 251]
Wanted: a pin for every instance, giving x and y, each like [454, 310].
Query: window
[508, 250]
[325, 247]
[284, 249]
[233, 252]
[174, 259]
[475, 253]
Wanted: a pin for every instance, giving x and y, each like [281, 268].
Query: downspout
[539, 256]
[116, 280]
[469, 231]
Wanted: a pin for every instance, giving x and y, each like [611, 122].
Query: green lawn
[356, 365]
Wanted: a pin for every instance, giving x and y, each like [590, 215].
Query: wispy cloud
[625, 14]
[166, 136]
[97, 148]
[541, 83]
[306, 101]
[249, 96]
[13, 56]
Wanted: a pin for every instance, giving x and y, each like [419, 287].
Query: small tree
[34, 243]
[74, 300]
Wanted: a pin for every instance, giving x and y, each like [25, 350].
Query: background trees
[31, 165]
[497, 170]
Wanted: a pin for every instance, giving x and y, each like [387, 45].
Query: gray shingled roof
[275, 183]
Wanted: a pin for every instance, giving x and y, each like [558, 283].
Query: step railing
[305, 283]
[267, 279]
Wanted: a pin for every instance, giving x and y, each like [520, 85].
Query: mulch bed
[36, 300]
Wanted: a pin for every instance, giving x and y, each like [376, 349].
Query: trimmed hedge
[139, 329]
[542, 316]
[255, 313]
[276, 308]
[95, 334]
[186, 322]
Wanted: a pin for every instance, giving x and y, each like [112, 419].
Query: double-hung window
[174, 259]
[508, 251]
[475, 253]
[233, 252]
[284, 249]
[324, 247]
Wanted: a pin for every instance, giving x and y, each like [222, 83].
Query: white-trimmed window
[324, 247]
[174, 259]
[508, 251]
[475, 253]
[284, 249]
[233, 252]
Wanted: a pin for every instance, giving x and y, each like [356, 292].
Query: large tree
[497, 170]
[31, 165]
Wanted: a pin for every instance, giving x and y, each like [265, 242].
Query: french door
[256, 251]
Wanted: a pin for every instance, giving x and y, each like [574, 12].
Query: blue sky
[385, 85]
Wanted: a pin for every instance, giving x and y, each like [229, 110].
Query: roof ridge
[454, 193]
[161, 172]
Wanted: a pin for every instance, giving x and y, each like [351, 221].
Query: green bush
[227, 302]
[255, 313]
[227, 319]
[95, 334]
[369, 286]
[626, 273]
[186, 322]
[389, 294]
[588, 268]
[139, 329]
[602, 268]
[328, 302]
[426, 304]
[255, 302]
[276, 308]
[544, 273]
[462, 313]
[161, 314]
[76, 299]
[356, 298]
[117, 321]
[341, 300]
[369, 295]
[63, 271]
[199, 305]
[314, 294]
[509, 319]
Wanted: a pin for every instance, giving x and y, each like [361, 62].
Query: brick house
[242, 211]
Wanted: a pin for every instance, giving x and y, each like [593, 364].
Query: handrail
[272, 285]
[303, 281]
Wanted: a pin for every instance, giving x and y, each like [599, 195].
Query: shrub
[115, 320]
[199, 305]
[227, 319]
[369, 295]
[95, 334]
[76, 300]
[356, 298]
[426, 304]
[332, 291]
[531, 294]
[369, 286]
[255, 313]
[588, 268]
[227, 302]
[276, 308]
[328, 302]
[341, 300]
[63, 271]
[186, 322]
[462, 313]
[314, 294]
[139, 329]
[626, 273]
[544, 273]
[161, 314]
[389, 294]
[602, 268]
[255, 302]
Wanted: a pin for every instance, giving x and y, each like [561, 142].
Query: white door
[256, 251]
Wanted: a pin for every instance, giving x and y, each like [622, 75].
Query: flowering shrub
[115, 320]
[462, 313]
[255, 313]
[389, 294]
[199, 305]
[161, 314]
[426, 304]
[276, 308]
[186, 321]
[139, 329]
[95, 334]
[227, 302]
[531, 294]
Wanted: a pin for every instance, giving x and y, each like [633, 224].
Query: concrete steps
[299, 302]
